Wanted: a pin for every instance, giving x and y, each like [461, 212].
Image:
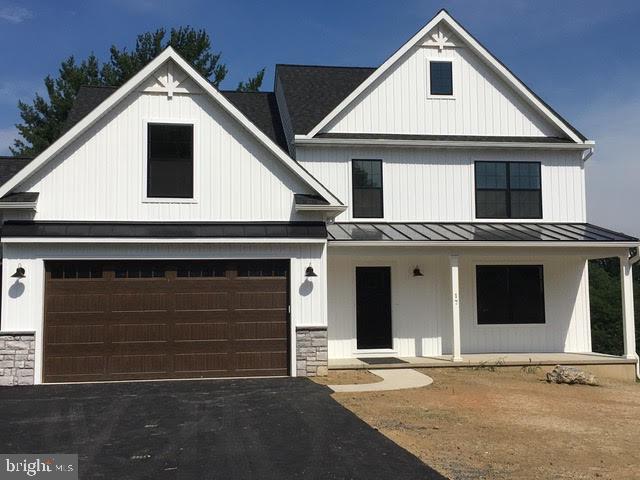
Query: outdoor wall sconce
[309, 272]
[20, 272]
[417, 272]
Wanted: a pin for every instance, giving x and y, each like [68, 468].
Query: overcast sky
[582, 57]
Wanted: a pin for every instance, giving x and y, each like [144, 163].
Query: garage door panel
[139, 333]
[77, 303]
[202, 363]
[78, 365]
[139, 365]
[203, 301]
[260, 330]
[165, 320]
[75, 334]
[260, 361]
[140, 302]
[256, 300]
[191, 332]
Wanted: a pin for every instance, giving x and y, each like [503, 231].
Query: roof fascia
[306, 141]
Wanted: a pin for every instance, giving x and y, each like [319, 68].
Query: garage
[128, 320]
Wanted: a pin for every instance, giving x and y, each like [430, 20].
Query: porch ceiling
[448, 232]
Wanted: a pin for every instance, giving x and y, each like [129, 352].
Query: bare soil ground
[507, 424]
[348, 377]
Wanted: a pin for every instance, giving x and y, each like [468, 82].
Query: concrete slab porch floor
[608, 366]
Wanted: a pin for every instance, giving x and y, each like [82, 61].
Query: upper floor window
[367, 189]
[508, 190]
[440, 78]
[169, 161]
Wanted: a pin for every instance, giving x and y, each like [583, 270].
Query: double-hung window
[510, 294]
[367, 189]
[169, 160]
[508, 190]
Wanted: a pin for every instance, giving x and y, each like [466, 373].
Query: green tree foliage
[606, 305]
[43, 119]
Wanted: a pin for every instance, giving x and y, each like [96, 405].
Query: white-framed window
[170, 163]
[440, 78]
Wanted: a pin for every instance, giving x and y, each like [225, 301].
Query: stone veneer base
[17, 358]
[311, 351]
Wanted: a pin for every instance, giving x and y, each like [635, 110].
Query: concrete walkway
[395, 379]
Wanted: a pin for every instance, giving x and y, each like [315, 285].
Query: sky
[581, 56]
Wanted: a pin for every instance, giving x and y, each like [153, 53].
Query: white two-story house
[433, 206]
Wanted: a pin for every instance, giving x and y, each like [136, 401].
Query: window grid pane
[367, 189]
[170, 161]
[441, 78]
[512, 294]
[508, 190]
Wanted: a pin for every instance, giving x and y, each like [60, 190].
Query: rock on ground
[571, 376]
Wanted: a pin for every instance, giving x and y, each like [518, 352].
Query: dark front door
[373, 307]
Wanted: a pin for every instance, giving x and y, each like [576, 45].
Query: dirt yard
[506, 424]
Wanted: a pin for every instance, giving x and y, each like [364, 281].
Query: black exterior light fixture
[20, 272]
[417, 272]
[309, 272]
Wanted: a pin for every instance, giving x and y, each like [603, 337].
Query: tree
[43, 119]
[606, 305]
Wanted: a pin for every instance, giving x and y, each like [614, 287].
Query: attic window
[440, 78]
[170, 161]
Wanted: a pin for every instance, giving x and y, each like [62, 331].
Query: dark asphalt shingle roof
[9, 166]
[312, 92]
[20, 197]
[87, 98]
[309, 199]
[260, 108]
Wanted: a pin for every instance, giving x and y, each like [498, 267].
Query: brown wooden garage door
[147, 320]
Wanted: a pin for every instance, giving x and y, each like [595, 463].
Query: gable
[171, 77]
[488, 99]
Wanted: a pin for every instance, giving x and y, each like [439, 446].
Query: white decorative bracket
[441, 39]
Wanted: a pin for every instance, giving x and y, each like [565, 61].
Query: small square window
[441, 78]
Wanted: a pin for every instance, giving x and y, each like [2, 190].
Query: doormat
[381, 360]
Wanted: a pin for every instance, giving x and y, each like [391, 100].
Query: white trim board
[115, 98]
[474, 46]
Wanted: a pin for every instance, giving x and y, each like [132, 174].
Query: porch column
[455, 304]
[628, 326]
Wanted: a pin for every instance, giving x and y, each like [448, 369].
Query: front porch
[463, 303]
[609, 366]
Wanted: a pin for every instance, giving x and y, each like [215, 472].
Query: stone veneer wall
[311, 351]
[17, 358]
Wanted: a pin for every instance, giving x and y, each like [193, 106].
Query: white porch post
[628, 326]
[455, 304]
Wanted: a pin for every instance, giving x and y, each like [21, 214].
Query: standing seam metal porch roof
[472, 232]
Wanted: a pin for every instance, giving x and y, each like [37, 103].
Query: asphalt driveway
[281, 429]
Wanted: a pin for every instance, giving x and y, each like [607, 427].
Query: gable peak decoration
[170, 79]
[440, 38]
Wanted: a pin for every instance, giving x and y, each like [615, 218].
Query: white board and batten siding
[421, 306]
[482, 103]
[100, 176]
[438, 185]
[23, 301]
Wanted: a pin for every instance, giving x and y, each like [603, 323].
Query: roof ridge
[322, 66]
